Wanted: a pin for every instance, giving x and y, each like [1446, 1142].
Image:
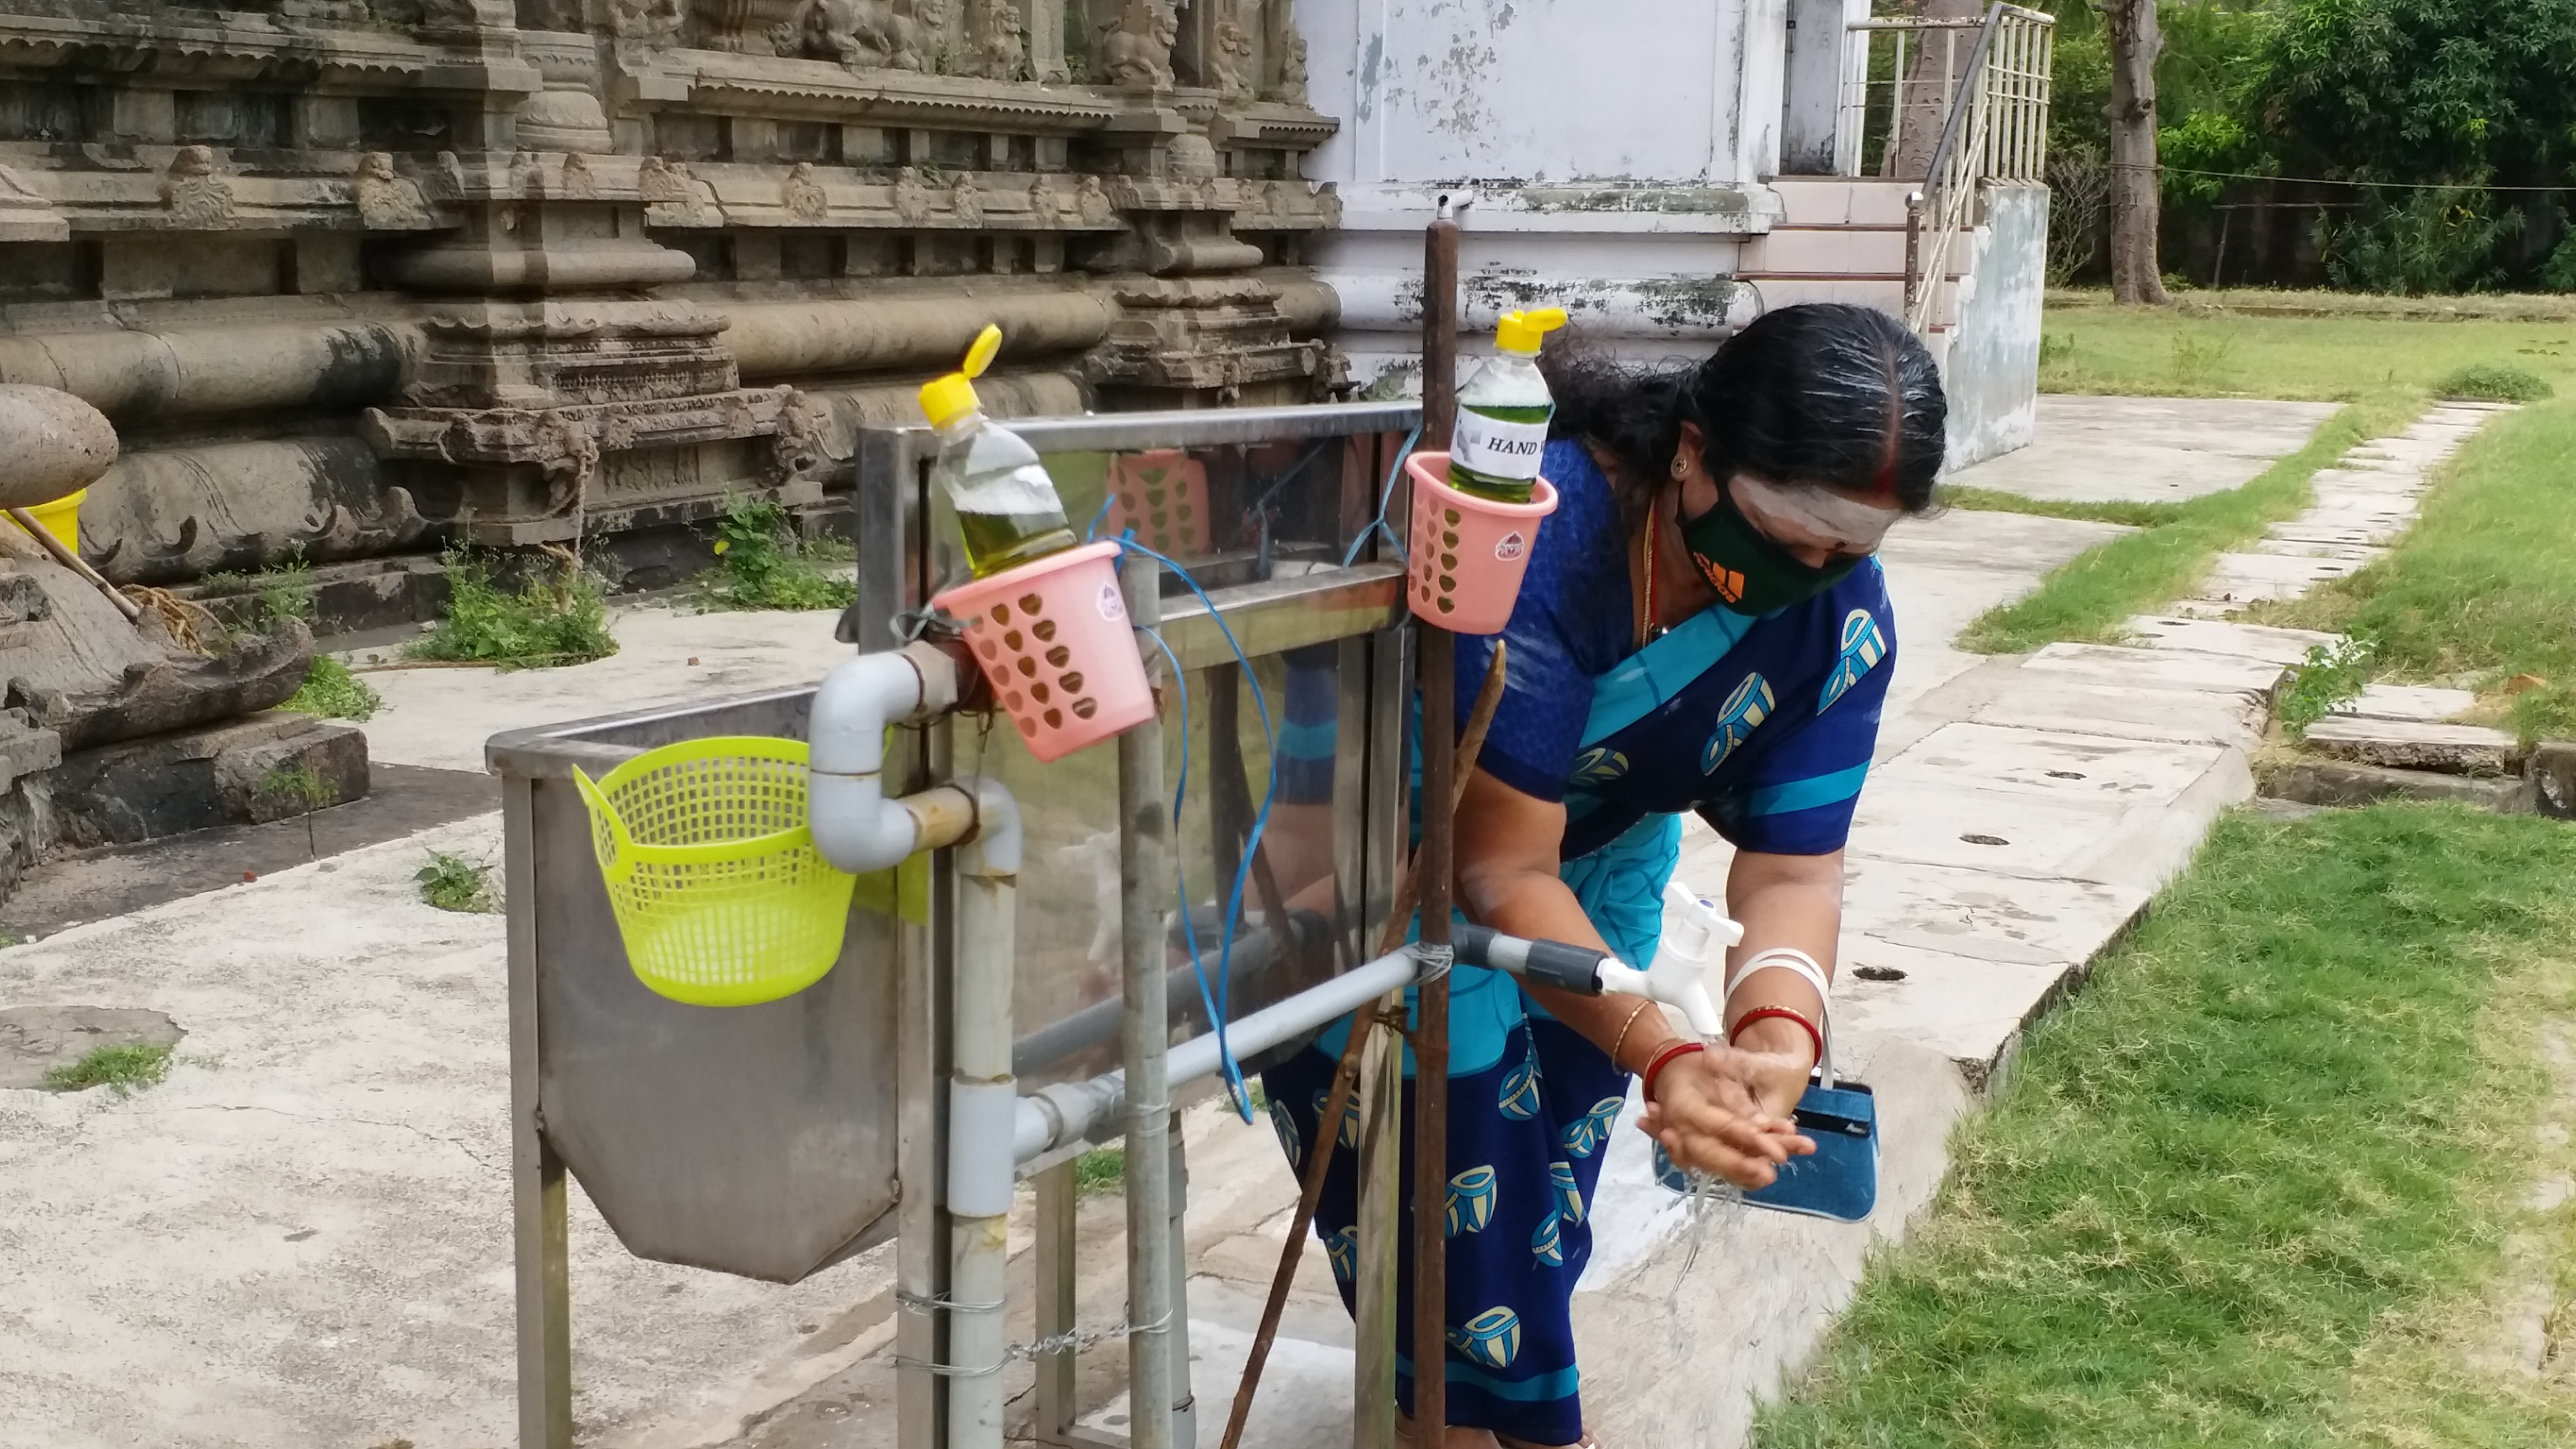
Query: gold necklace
[1651, 627]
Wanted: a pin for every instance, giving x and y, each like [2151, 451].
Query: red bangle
[1815, 1038]
[1663, 1059]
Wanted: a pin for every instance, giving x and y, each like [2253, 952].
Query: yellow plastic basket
[712, 871]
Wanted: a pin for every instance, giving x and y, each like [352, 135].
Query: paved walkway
[2147, 449]
[301, 1239]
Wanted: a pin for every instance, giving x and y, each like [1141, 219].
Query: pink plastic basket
[1054, 640]
[1162, 494]
[1468, 553]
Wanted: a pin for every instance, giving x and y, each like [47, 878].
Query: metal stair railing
[1994, 128]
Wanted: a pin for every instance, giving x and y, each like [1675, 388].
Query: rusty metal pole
[1436, 663]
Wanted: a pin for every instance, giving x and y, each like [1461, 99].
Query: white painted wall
[1607, 156]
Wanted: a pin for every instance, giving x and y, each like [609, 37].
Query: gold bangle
[1622, 1039]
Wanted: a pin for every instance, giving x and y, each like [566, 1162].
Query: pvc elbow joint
[855, 826]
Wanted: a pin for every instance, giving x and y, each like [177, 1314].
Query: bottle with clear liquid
[1503, 413]
[1007, 509]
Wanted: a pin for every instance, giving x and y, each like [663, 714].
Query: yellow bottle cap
[1521, 331]
[946, 399]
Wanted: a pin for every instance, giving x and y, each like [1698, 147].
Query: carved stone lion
[864, 34]
[993, 39]
[195, 193]
[385, 201]
[911, 198]
[1233, 65]
[1137, 50]
[802, 195]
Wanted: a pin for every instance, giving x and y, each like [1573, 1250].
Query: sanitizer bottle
[1503, 412]
[1007, 509]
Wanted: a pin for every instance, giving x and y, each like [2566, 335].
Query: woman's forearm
[1793, 901]
[1539, 906]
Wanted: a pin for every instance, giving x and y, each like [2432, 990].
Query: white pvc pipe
[1061, 1115]
[856, 827]
[982, 1095]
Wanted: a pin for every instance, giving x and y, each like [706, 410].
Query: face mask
[1753, 575]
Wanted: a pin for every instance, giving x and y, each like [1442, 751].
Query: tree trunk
[1937, 54]
[2136, 40]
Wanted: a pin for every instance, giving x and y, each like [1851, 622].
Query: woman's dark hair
[1820, 393]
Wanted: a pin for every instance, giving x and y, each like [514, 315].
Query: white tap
[1697, 936]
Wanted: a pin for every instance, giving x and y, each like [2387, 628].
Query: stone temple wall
[358, 278]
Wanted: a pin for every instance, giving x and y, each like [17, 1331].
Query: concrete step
[1843, 200]
[2408, 702]
[2454, 749]
[2329, 783]
[1812, 250]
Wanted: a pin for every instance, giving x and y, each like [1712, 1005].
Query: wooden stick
[72, 560]
[1346, 1078]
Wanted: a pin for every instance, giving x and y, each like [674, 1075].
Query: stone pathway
[2361, 507]
[2147, 449]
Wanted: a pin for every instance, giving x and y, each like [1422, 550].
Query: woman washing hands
[1702, 627]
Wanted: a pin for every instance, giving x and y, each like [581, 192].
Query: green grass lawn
[2240, 347]
[2483, 588]
[2265, 1179]
[2091, 597]
[2384, 358]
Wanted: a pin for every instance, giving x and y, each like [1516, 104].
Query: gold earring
[1681, 469]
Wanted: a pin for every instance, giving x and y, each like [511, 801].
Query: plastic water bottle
[1503, 411]
[1007, 509]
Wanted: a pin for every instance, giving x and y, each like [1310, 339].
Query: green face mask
[1752, 574]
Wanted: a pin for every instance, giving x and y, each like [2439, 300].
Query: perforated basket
[1053, 638]
[1468, 553]
[1162, 494]
[712, 873]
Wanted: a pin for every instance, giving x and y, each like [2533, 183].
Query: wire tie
[1435, 961]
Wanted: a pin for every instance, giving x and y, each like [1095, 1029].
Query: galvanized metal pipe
[1145, 1037]
[1435, 660]
[982, 1095]
[1062, 1115]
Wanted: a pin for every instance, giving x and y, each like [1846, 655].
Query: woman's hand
[1714, 1111]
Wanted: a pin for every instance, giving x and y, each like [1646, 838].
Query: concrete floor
[301, 1238]
[2147, 449]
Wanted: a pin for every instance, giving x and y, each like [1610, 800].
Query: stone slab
[35, 1040]
[2126, 712]
[244, 771]
[2408, 702]
[1973, 914]
[2360, 537]
[2283, 647]
[2415, 745]
[2243, 578]
[2075, 767]
[2111, 449]
[1969, 1009]
[2325, 782]
[2303, 548]
[2165, 668]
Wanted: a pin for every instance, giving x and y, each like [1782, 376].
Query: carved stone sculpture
[1137, 49]
[1093, 203]
[797, 447]
[1290, 88]
[679, 198]
[802, 195]
[993, 39]
[650, 22]
[864, 34]
[1044, 205]
[911, 198]
[194, 192]
[1231, 73]
[385, 201]
[965, 203]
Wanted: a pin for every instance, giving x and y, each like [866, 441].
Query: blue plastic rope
[1386, 495]
[1217, 1001]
